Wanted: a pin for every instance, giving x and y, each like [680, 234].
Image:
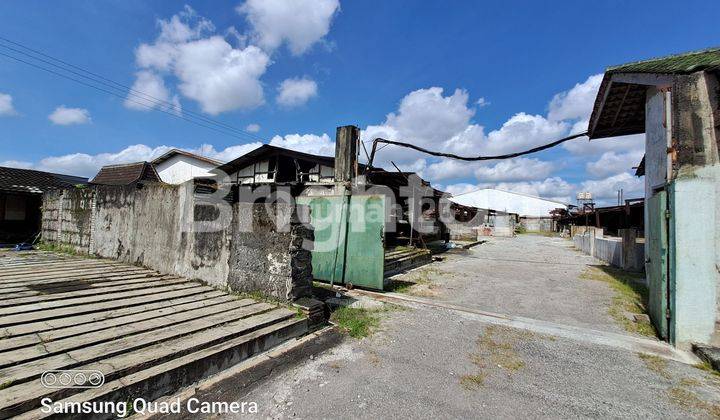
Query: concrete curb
[627, 342]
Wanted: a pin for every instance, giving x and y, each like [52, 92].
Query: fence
[626, 252]
[154, 227]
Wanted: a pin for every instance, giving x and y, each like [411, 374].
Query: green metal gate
[656, 262]
[349, 239]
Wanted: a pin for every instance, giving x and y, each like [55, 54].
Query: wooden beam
[346, 153]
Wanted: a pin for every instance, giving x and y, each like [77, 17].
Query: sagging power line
[465, 158]
[91, 79]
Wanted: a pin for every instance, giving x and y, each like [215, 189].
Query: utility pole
[346, 170]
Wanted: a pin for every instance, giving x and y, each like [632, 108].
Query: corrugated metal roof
[35, 182]
[619, 107]
[674, 64]
[126, 174]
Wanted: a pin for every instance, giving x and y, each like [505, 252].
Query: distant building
[508, 202]
[126, 174]
[21, 198]
[177, 166]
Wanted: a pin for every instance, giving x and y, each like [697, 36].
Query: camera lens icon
[72, 378]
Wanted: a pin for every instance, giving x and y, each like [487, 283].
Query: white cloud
[209, 70]
[577, 102]
[300, 23]
[554, 188]
[520, 169]
[16, 164]
[482, 102]
[150, 87]
[522, 131]
[69, 116]
[252, 128]
[461, 188]
[605, 190]
[583, 147]
[220, 77]
[227, 154]
[307, 143]
[612, 163]
[6, 105]
[83, 164]
[296, 91]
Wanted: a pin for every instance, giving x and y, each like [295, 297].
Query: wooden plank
[87, 319]
[256, 327]
[67, 271]
[245, 341]
[179, 283]
[100, 274]
[39, 267]
[149, 282]
[48, 348]
[71, 330]
[58, 286]
[13, 319]
[104, 351]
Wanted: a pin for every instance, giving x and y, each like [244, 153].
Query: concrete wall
[538, 224]
[153, 227]
[267, 253]
[695, 256]
[67, 217]
[628, 254]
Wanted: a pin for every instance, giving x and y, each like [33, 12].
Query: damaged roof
[685, 63]
[35, 182]
[619, 108]
[126, 174]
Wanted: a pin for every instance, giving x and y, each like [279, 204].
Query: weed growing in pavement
[631, 297]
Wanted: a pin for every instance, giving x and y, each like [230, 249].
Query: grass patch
[688, 399]
[356, 322]
[656, 364]
[417, 283]
[707, 367]
[631, 297]
[61, 248]
[6, 384]
[472, 382]
[497, 349]
[539, 233]
[259, 296]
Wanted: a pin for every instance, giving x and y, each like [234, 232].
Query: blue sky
[413, 71]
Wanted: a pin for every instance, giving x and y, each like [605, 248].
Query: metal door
[349, 239]
[365, 251]
[656, 262]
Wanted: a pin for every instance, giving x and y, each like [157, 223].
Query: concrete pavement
[429, 361]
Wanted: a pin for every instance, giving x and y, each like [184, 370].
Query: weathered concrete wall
[611, 249]
[538, 224]
[67, 217]
[244, 251]
[267, 253]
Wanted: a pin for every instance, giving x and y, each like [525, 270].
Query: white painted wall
[499, 200]
[180, 168]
